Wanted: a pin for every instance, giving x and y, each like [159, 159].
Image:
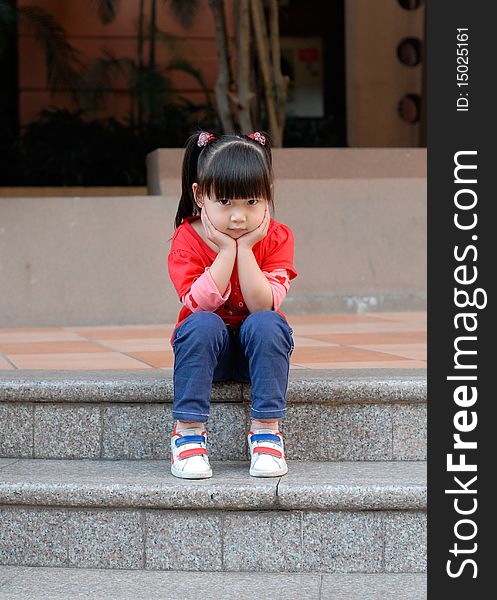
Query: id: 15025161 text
[462, 74]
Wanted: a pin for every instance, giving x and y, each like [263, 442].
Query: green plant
[238, 107]
[65, 148]
[74, 147]
[63, 61]
[149, 84]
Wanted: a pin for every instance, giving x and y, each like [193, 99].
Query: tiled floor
[384, 340]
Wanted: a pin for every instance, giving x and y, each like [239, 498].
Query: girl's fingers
[205, 222]
[267, 220]
[209, 227]
[208, 221]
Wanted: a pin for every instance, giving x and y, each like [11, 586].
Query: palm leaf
[96, 78]
[179, 64]
[184, 11]
[168, 39]
[62, 60]
[106, 9]
[147, 82]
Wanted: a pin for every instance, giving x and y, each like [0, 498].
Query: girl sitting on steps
[231, 265]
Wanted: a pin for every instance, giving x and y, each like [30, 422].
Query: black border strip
[450, 131]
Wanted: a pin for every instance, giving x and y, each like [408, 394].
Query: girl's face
[233, 217]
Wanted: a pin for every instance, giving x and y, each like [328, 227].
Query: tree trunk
[245, 96]
[264, 61]
[256, 85]
[280, 80]
[224, 80]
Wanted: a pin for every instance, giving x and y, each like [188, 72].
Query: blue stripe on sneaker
[265, 437]
[190, 439]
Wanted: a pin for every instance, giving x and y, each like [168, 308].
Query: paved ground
[374, 340]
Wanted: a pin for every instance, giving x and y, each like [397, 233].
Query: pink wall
[91, 37]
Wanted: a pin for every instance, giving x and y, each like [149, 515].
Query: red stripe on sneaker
[265, 450]
[192, 452]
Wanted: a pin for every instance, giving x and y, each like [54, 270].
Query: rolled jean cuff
[268, 414]
[192, 417]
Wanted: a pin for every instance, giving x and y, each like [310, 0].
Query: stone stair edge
[309, 486]
[341, 386]
[57, 583]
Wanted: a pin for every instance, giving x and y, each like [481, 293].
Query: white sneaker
[189, 458]
[267, 453]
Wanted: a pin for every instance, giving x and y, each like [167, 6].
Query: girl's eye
[223, 200]
[254, 201]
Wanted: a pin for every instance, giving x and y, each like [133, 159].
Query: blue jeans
[207, 350]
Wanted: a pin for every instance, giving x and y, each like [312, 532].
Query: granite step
[371, 414]
[40, 583]
[366, 517]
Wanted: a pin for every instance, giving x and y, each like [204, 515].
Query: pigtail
[263, 140]
[267, 146]
[187, 206]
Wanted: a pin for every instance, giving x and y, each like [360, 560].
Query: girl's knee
[208, 321]
[203, 327]
[264, 320]
[268, 327]
[262, 315]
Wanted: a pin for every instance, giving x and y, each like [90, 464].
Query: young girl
[231, 265]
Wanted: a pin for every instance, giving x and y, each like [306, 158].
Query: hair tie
[204, 138]
[258, 137]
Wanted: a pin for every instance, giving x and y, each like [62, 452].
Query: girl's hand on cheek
[251, 238]
[222, 240]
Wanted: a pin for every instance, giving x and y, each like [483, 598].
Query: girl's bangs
[243, 175]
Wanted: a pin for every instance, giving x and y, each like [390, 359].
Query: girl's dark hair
[230, 166]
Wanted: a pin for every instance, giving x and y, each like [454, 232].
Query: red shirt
[190, 255]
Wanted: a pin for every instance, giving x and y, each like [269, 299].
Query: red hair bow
[258, 137]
